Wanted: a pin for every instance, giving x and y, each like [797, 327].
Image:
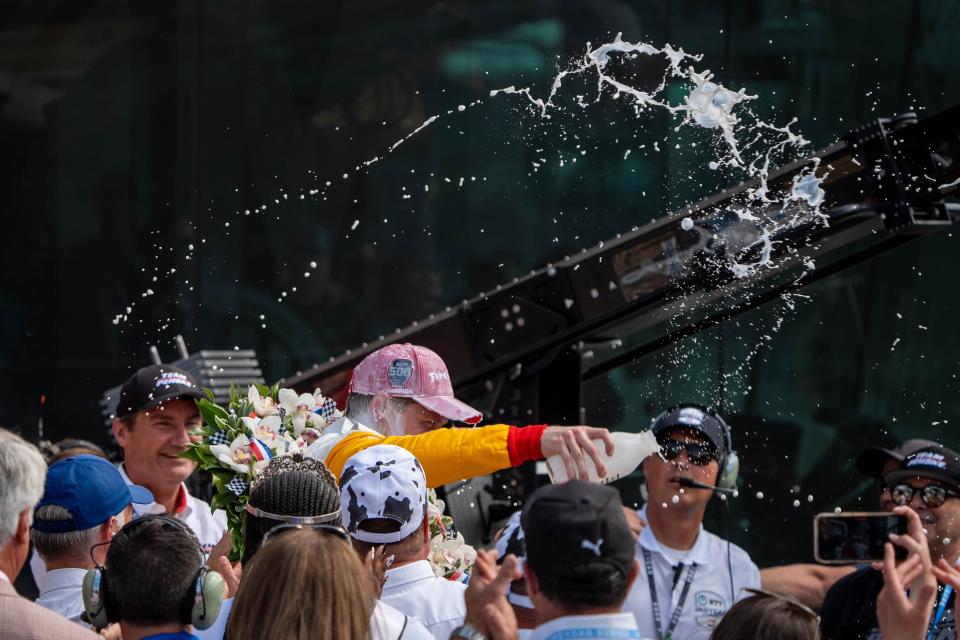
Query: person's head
[292, 489]
[692, 440]
[156, 413]
[580, 552]
[85, 502]
[303, 584]
[22, 474]
[153, 579]
[404, 389]
[928, 481]
[768, 616]
[877, 461]
[383, 499]
[69, 447]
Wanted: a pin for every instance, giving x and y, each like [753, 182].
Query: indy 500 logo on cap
[400, 371]
[928, 459]
[169, 378]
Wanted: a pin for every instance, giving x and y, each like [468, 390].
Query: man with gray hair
[86, 501]
[22, 472]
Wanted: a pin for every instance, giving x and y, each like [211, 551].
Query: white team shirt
[710, 594]
[386, 623]
[416, 591]
[62, 593]
[206, 524]
[320, 448]
[605, 625]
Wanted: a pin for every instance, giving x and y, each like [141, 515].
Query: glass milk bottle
[629, 450]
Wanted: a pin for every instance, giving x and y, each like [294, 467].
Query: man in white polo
[383, 497]
[156, 413]
[688, 576]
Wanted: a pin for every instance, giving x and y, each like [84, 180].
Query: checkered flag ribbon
[327, 410]
[219, 438]
[238, 485]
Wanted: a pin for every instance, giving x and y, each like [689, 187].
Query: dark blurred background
[139, 143]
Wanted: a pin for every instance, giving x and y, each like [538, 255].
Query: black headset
[729, 460]
[201, 605]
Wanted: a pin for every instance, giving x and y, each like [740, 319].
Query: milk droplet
[946, 541]
[675, 499]
[809, 498]
[461, 107]
[796, 503]
[836, 509]
[759, 495]
[682, 491]
[686, 224]
[664, 505]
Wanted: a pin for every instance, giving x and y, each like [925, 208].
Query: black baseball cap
[152, 386]
[870, 461]
[696, 417]
[571, 524]
[935, 462]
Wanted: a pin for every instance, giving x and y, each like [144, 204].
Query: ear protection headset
[729, 459]
[200, 607]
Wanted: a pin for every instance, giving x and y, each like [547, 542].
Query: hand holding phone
[854, 537]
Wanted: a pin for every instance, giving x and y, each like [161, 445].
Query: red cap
[415, 372]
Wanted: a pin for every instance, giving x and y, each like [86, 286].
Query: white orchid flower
[264, 428]
[237, 456]
[451, 555]
[299, 408]
[265, 406]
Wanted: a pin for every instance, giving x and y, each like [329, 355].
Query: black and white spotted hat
[383, 482]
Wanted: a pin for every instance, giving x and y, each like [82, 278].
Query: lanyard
[675, 618]
[941, 607]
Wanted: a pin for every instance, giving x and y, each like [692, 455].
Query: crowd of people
[337, 539]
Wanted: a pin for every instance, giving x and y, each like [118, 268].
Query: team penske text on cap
[935, 462]
[415, 372]
[152, 386]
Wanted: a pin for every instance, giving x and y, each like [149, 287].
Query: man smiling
[928, 482]
[155, 415]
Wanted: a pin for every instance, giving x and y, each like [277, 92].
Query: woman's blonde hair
[303, 585]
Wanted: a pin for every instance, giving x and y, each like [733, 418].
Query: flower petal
[288, 400]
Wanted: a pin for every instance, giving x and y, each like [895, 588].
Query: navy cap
[152, 386]
[871, 460]
[91, 489]
[691, 416]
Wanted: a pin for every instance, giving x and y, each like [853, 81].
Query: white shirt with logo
[606, 625]
[437, 603]
[710, 594]
[62, 593]
[207, 525]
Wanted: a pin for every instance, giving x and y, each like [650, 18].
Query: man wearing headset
[688, 577]
[154, 583]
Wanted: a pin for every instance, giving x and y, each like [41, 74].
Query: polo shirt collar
[181, 506]
[61, 578]
[408, 573]
[700, 553]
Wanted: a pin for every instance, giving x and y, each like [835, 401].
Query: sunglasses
[932, 495]
[281, 529]
[796, 604]
[697, 453]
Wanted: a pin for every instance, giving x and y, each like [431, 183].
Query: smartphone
[852, 537]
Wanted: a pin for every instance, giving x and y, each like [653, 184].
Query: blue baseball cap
[91, 489]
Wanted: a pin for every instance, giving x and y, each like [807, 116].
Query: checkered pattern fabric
[328, 409]
[219, 438]
[238, 485]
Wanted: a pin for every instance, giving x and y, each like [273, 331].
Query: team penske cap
[415, 372]
[383, 482]
[871, 460]
[935, 462]
[154, 385]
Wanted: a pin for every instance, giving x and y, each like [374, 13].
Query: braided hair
[291, 485]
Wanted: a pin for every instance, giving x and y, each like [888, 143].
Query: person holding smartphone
[928, 482]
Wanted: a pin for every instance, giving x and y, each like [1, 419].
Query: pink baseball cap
[415, 372]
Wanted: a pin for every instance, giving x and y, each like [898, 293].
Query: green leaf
[210, 411]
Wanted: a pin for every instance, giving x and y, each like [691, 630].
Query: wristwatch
[467, 632]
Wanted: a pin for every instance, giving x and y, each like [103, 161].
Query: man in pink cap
[404, 389]
[402, 395]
